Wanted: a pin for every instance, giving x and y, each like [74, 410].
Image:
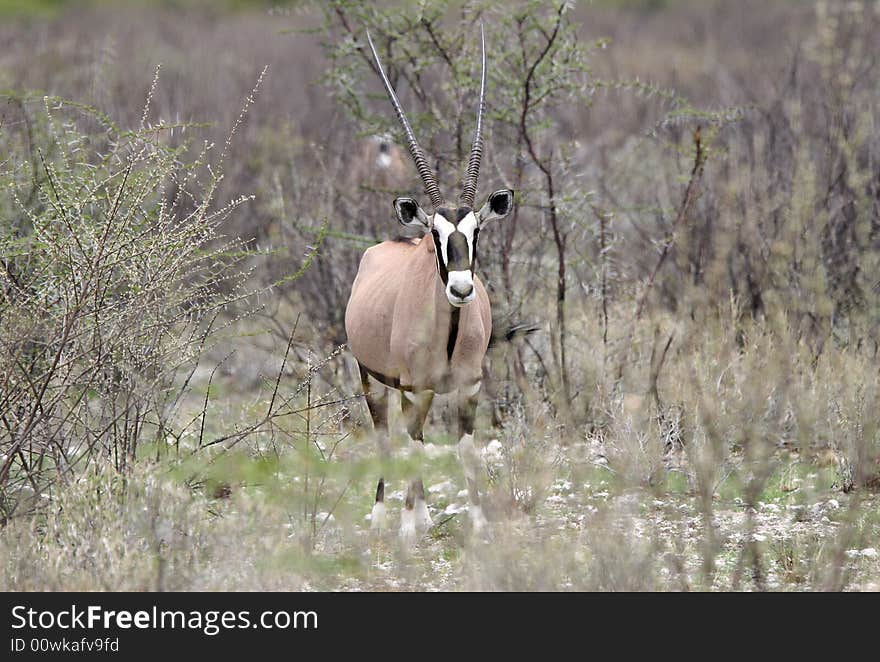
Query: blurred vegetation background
[187, 188]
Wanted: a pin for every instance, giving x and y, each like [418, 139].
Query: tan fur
[398, 320]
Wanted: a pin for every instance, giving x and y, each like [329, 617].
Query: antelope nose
[461, 291]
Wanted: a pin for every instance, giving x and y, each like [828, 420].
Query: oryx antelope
[377, 163]
[418, 319]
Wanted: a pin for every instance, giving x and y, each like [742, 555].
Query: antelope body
[419, 320]
[400, 322]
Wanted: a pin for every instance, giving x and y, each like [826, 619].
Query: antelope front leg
[377, 404]
[467, 452]
[415, 518]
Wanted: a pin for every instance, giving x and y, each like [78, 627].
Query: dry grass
[704, 419]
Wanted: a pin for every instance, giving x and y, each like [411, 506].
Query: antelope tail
[509, 332]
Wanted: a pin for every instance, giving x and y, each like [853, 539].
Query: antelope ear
[498, 205]
[410, 214]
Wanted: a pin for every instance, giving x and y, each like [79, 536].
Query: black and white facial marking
[455, 231]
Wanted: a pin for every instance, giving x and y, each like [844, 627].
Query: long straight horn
[473, 168]
[418, 155]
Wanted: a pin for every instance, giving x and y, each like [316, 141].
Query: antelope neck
[446, 315]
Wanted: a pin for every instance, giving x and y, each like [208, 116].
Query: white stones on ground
[445, 486]
[868, 553]
[423, 519]
[819, 510]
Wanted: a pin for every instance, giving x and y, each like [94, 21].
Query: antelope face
[454, 230]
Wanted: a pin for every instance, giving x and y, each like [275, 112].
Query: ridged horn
[473, 167]
[418, 155]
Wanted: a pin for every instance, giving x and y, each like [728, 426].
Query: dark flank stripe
[474, 260]
[441, 266]
[393, 382]
[453, 333]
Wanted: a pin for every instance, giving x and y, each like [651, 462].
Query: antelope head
[454, 227]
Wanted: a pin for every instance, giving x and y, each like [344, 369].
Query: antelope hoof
[408, 533]
[378, 518]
